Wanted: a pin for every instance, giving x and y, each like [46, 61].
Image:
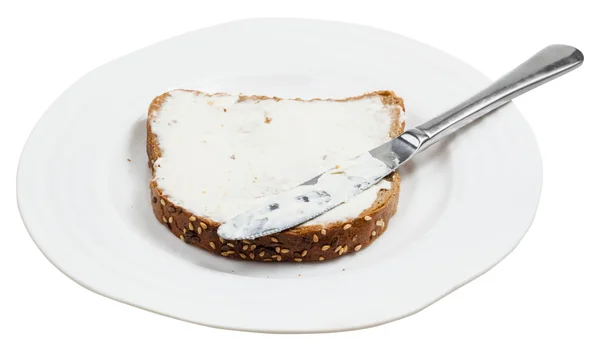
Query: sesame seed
[298, 259]
[267, 260]
[274, 239]
[242, 256]
[181, 237]
[184, 230]
[380, 223]
[325, 247]
[338, 248]
[261, 254]
[252, 247]
[246, 242]
[221, 240]
[203, 225]
[162, 202]
[230, 245]
[199, 230]
[357, 247]
[373, 233]
[304, 253]
[245, 247]
[277, 257]
[224, 254]
[213, 245]
[230, 252]
[315, 238]
[345, 248]
[285, 250]
[251, 254]
[321, 258]
[193, 218]
[368, 218]
[341, 252]
[164, 219]
[347, 226]
[170, 219]
[278, 249]
[355, 237]
[191, 226]
[323, 232]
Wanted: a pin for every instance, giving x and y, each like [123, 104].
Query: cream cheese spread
[221, 155]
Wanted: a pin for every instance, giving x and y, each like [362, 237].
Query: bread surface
[317, 242]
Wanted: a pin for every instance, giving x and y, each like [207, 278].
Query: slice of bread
[212, 155]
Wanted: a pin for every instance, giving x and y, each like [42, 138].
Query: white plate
[463, 206]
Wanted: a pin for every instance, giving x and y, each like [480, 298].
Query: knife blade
[335, 186]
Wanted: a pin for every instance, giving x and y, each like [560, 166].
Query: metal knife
[334, 187]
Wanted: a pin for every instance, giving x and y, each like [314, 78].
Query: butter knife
[335, 186]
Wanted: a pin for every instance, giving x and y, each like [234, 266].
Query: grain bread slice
[313, 241]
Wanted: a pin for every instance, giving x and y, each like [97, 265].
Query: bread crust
[299, 244]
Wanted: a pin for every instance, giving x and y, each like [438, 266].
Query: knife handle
[550, 63]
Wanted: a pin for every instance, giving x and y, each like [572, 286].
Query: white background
[543, 296]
